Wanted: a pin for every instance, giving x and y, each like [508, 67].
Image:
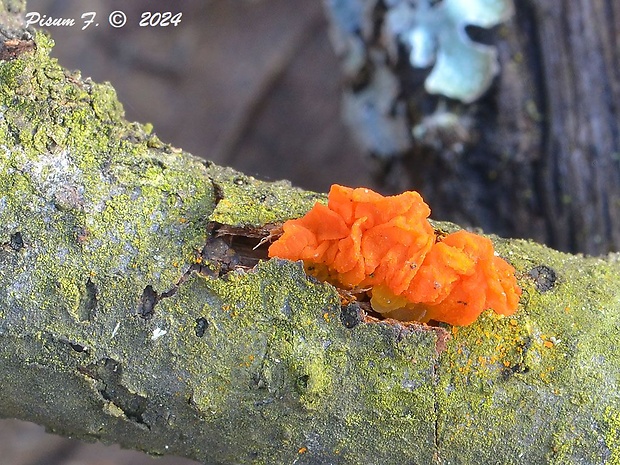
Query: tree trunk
[536, 156]
[134, 308]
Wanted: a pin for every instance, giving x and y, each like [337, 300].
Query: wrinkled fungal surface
[385, 247]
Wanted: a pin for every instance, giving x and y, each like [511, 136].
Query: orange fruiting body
[363, 240]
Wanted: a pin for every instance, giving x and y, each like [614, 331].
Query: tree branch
[134, 310]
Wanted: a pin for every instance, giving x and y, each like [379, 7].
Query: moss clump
[245, 201]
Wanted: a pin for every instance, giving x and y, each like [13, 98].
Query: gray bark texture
[135, 308]
[536, 156]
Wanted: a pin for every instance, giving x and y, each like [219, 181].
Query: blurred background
[252, 84]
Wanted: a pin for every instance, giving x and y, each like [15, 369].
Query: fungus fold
[385, 246]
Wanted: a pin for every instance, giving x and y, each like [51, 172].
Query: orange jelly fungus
[363, 240]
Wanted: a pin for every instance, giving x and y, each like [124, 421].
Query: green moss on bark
[100, 223]
[538, 385]
[91, 199]
[246, 201]
[281, 362]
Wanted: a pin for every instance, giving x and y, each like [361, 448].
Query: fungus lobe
[385, 245]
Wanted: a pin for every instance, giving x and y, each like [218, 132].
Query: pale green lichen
[435, 32]
[612, 438]
[86, 191]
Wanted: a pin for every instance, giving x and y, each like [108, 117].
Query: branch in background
[507, 158]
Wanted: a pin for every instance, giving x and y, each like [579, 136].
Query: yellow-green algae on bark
[247, 202]
[100, 223]
[89, 196]
[278, 378]
[541, 386]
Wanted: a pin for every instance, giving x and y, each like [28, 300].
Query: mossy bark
[120, 321]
